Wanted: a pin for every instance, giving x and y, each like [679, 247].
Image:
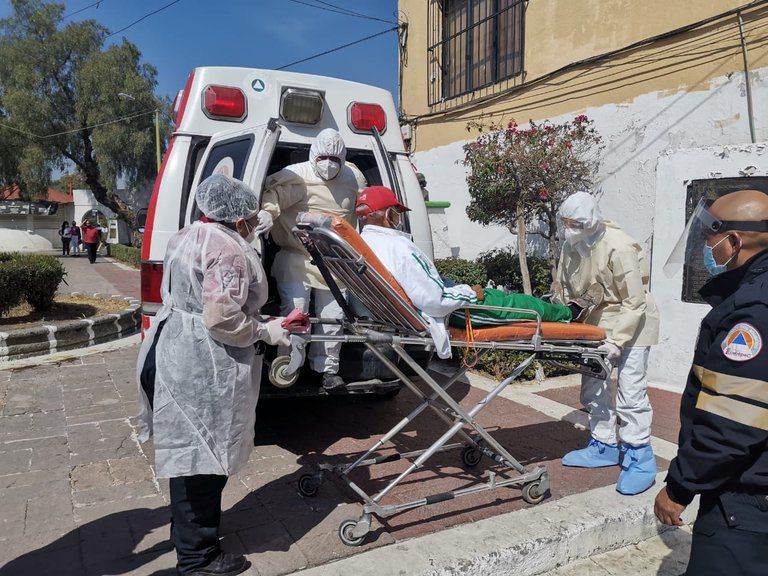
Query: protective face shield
[580, 223]
[692, 251]
[327, 154]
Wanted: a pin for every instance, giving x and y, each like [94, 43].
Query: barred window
[473, 44]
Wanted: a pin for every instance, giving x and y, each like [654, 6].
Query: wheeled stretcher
[392, 322]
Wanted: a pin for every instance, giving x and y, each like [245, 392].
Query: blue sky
[253, 33]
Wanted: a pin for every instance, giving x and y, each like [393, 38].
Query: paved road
[105, 277]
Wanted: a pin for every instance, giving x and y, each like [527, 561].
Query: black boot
[332, 382]
[223, 565]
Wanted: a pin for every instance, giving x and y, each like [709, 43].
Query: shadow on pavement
[271, 516]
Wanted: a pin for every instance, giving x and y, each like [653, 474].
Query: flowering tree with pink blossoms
[518, 178]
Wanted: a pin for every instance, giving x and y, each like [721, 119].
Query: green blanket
[549, 312]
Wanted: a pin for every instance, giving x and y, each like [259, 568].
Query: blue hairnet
[225, 199]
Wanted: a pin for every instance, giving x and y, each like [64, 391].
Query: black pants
[65, 246]
[91, 247]
[730, 536]
[195, 517]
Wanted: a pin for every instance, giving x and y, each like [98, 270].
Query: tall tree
[59, 97]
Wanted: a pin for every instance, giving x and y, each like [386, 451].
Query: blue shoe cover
[596, 455]
[638, 470]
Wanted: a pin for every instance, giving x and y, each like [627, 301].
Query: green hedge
[503, 268]
[31, 277]
[462, 271]
[128, 254]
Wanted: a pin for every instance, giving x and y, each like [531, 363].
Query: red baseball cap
[376, 198]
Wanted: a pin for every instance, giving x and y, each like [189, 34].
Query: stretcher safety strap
[470, 351]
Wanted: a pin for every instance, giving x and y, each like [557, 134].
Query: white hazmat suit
[326, 183]
[597, 252]
[207, 376]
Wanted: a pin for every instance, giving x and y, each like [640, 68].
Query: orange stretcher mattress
[526, 330]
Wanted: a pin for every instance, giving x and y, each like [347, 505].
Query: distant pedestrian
[91, 238]
[65, 232]
[74, 243]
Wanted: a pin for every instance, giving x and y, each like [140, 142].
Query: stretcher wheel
[471, 456]
[278, 375]
[532, 493]
[308, 485]
[345, 533]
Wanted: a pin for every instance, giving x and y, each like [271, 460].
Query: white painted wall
[671, 359]
[33, 233]
[653, 145]
[635, 134]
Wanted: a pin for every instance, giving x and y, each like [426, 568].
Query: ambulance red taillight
[224, 103]
[363, 117]
[151, 281]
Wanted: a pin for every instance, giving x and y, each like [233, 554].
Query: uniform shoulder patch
[742, 343]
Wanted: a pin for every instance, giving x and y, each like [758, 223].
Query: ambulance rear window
[228, 157]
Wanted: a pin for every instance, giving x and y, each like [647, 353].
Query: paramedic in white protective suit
[326, 183]
[596, 252]
[202, 410]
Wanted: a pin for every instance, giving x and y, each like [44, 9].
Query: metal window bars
[472, 44]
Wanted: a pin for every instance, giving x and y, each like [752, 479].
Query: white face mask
[327, 169]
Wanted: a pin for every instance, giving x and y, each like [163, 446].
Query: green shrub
[503, 268]
[499, 364]
[31, 277]
[11, 284]
[131, 255]
[462, 271]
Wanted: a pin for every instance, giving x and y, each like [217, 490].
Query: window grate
[472, 45]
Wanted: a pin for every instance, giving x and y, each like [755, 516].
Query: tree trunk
[92, 174]
[521, 251]
[553, 248]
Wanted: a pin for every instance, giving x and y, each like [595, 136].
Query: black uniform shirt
[723, 443]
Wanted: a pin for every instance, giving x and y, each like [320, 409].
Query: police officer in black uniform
[723, 444]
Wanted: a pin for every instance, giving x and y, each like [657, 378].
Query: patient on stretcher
[380, 213]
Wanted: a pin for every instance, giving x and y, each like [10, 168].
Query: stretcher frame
[395, 325]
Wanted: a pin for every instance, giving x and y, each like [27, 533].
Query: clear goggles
[702, 224]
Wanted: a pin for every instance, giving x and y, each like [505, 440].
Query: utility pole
[157, 139]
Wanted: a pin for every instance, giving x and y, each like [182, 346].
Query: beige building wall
[559, 33]
[670, 111]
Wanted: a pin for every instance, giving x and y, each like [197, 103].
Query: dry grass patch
[64, 308]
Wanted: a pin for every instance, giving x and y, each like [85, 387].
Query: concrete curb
[43, 340]
[521, 543]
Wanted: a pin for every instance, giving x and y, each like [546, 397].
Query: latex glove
[613, 352]
[265, 223]
[276, 335]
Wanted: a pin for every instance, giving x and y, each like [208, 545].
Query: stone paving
[80, 496]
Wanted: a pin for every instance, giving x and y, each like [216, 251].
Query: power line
[353, 13]
[472, 104]
[65, 132]
[338, 48]
[147, 15]
[82, 9]
[339, 10]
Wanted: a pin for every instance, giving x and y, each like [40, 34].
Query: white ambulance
[250, 123]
